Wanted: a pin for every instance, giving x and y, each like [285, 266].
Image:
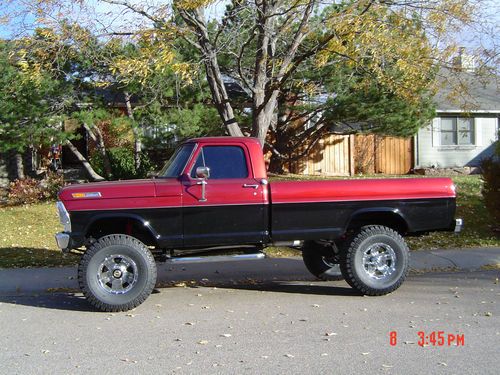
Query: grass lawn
[27, 237]
[27, 232]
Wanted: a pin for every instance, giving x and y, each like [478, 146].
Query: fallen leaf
[488, 313]
[226, 335]
[289, 356]
[331, 334]
[203, 342]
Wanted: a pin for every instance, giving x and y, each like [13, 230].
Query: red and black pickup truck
[214, 195]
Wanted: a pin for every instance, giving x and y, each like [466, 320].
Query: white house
[466, 126]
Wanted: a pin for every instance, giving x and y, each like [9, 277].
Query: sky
[100, 15]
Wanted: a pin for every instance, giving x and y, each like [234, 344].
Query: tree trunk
[88, 168]
[99, 140]
[196, 21]
[18, 157]
[136, 131]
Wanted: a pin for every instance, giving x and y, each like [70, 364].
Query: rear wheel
[322, 260]
[117, 273]
[376, 260]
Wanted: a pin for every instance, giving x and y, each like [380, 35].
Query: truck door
[233, 209]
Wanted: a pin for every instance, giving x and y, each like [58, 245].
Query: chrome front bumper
[459, 223]
[62, 240]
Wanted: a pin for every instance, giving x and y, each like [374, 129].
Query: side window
[223, 161]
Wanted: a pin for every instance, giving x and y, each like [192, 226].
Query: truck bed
[312, 209]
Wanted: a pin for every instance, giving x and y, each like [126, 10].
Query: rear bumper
[459, 223]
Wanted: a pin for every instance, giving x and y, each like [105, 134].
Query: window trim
[199, 148]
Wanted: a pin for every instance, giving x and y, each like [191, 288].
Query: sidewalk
[40, 280]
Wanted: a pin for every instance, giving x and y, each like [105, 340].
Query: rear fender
[387, 216]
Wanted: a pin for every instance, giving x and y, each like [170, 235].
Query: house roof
[463, 91]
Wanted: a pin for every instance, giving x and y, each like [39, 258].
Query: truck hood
[109, 190]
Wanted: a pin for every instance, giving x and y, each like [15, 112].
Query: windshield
[174, 167]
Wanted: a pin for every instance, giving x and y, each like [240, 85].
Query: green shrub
[122, 164]
[491, 187]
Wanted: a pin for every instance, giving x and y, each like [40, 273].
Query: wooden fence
[346, 155]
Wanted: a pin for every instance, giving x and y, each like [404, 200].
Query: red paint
[111, 190]
[361, 190]
[185, 192]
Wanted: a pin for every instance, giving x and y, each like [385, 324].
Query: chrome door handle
[253, 186]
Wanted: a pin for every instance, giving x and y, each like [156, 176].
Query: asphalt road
[266, 328]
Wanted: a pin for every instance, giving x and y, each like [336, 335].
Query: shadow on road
[71, 301]
[56, 301]
[295, 287]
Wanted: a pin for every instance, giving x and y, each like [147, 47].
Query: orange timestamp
[433, 338]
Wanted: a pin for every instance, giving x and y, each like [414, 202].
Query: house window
[457, 131]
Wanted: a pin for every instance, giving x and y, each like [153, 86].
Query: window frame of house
[455, 131]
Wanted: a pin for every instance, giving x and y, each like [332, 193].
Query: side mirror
[203, 172]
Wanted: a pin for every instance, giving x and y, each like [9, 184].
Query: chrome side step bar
[217, 258]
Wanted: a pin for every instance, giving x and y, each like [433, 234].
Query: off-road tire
[321, 261]
[365, 272]
[130, 257]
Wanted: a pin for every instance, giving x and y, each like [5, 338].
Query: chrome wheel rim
[379, 261]
[117, 274]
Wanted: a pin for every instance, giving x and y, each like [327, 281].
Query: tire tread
[103, 242]
[347, 267]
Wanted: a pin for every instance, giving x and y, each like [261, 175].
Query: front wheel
[117, 273]
[376, 260]
[322, 260]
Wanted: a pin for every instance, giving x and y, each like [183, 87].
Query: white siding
[429, 153]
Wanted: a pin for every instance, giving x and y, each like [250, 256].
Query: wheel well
[387, 219]
[123, 225]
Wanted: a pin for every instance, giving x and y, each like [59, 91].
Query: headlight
[64, 216]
